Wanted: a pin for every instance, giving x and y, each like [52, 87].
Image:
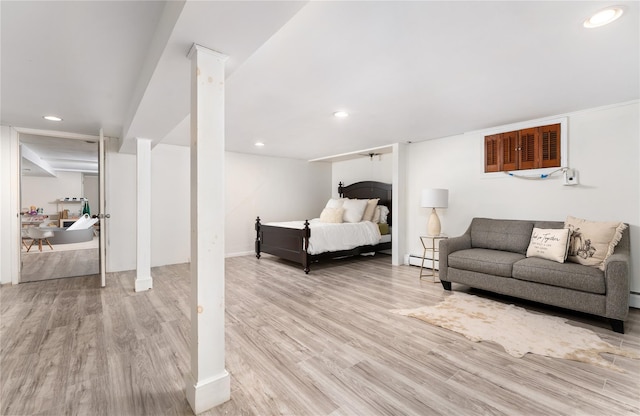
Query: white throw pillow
[333, 215]
[384, 211]
[335, 203]
[550, 244]
[354, 209]
[592, 242]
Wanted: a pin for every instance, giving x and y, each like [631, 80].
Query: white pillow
[335, 203]
[550, 244]
[384, 211]
[333, 215]
[370, 209]
[354, 209]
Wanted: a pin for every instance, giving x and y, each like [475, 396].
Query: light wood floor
[55, 264]
[322, 344]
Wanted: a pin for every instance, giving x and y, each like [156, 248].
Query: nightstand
[429, 244]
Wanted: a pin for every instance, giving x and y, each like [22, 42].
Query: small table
[433, 249]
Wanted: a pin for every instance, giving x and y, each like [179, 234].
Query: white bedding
[334, 237]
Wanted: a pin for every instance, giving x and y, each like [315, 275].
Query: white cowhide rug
[518, 331]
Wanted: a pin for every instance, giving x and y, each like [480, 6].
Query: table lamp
[434, 198]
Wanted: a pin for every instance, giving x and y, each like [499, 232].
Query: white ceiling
[46, 156]
[405, 71]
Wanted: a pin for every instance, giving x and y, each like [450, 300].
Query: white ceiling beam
[33, 157]
[170, 15]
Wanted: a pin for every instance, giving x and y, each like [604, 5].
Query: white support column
[399, 229]
[208, 384]
[143, 211]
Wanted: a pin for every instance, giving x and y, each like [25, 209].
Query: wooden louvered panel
[509, 152]
[492, 153]
[532, 148]
[550, 144]
[528, 154]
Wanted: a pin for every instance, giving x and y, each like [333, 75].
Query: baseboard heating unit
[416, 260]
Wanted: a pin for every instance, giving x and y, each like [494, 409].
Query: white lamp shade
[434, 198]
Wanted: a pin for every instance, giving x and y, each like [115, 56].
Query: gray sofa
[490, 255]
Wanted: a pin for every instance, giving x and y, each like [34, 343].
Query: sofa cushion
[549, 224]
[506, 235]
[482, 260]
[567, 275]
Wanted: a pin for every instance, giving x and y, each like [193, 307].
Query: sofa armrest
[616, 276]
[448, 246]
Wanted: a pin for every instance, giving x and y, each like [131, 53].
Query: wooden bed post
[257, 237]
[305, 257]
[340, 190]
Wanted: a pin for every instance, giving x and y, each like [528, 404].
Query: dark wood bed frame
[292, 244]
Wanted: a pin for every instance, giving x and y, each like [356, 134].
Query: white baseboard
[416, 260]
[241, 253]
[634, 300]
[209, 393]
[143, 283]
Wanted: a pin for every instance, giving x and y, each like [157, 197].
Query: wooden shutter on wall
[550, 146]
[491, 153]
[528, 149]
[509, 150]
[532, 148]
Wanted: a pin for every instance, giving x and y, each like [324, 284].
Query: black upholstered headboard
[368, 190]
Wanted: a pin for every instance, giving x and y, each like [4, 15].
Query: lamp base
[433, 225]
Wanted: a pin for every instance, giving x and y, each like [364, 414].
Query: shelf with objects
[33, 216]
[68, 217]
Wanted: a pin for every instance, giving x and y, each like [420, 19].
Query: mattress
[327, 237]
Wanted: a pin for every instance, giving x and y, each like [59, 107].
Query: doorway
[58, 185]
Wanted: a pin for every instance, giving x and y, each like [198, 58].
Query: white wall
[276, 189]
[120, 203]
[379, 169]
[169, 207]
[603, 147]
[170, 215]
[44, 192]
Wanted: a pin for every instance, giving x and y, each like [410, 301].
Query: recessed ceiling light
[604, 17]
[259, 144]
[341, 114]
[52, 118]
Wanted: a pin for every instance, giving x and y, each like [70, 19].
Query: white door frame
[15, 230]
[102, 163]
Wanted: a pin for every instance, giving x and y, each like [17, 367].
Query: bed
[291, 241]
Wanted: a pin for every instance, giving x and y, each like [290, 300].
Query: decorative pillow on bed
[332, 215]
[335, 203]
[550, 244]
[384, 211]
[354, 209]
[384, 229]
[370, 209]
[376, 216]
[592, 242]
